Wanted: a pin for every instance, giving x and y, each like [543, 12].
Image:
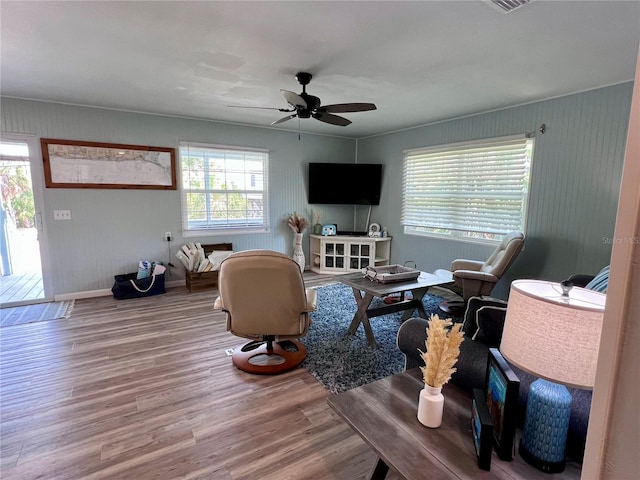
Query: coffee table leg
[360, 316]
[417, 294]
[380, 471]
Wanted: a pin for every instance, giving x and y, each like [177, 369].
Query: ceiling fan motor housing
[312, 104]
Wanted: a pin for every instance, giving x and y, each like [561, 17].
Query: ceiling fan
[304, 105]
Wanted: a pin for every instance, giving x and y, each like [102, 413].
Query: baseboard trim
[106, 292]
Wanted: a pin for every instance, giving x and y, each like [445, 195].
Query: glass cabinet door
[360, 255]
[334, 255]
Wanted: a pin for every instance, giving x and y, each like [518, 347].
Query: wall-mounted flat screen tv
[345, 183]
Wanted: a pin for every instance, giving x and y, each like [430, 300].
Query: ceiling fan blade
[263, 108]
[347, 107]
[294, 99]
[246, 106]
[284, 119]
[332, 119]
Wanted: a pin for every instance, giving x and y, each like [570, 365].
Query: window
[224, 189]
[475, 190]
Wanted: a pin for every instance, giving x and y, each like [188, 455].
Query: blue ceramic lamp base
[546, 424]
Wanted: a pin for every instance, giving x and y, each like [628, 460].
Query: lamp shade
[552, 336]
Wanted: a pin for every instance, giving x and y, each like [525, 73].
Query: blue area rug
[342, 362]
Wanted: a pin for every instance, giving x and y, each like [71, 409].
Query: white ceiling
[420, 62]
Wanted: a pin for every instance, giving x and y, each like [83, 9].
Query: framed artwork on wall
[78, 164]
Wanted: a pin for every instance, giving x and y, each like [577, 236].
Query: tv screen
[345, 183]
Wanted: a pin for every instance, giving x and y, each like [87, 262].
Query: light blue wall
[574, 191]
[111, 230]
[577, 167]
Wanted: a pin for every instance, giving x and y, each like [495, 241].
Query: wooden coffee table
[364, 291]
[383, 413]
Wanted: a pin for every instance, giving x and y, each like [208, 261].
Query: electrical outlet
[167, 236]
[62, 214]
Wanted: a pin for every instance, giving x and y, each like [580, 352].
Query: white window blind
[224, 189]
[476, 190]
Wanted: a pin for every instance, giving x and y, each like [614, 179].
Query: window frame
[467, 235]
[188, 228]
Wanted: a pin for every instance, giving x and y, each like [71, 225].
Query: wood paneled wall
[577, 168]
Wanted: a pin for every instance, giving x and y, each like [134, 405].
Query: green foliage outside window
[17, 195]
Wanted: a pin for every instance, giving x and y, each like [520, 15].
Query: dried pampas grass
[442, 350]
[297, 223]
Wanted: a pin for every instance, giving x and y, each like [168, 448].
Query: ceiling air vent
[507, 5]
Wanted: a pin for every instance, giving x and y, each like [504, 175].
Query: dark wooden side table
[383, 413]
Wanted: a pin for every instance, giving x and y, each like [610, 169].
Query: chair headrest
[504, 254]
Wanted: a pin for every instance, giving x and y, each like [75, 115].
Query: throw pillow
[490, 322]
[600, 282]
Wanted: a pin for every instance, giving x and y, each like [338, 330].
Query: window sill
[226, 232]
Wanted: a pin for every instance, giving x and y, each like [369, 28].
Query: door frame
[37, 186]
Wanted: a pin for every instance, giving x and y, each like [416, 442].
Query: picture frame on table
[481, 429]
[502, 387]
[81, 164]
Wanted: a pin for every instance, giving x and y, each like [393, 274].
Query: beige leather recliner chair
[264, 297]
[474, 278]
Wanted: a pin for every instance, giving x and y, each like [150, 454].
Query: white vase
[430, 406]
[298, 253]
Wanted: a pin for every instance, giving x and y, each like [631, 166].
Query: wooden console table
[383, 413]
[342, 254]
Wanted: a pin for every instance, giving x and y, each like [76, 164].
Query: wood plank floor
[142, 389]
[21, 287]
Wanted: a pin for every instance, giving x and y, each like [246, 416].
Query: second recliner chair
[474, 278]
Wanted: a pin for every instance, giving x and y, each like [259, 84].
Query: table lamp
[553, 332]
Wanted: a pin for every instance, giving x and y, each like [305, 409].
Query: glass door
[22, 234]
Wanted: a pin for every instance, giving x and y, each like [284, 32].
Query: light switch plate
[62, 214]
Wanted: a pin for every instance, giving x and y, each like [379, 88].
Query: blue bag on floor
[129, 286]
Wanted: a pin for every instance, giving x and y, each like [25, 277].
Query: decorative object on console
[555, 337]
[328, 230]
[375, 230]
[317, 227]
[442, 350]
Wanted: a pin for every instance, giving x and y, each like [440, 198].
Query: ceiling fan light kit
[303, 105]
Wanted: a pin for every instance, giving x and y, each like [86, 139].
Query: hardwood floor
[142, 389]
[21, 288]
